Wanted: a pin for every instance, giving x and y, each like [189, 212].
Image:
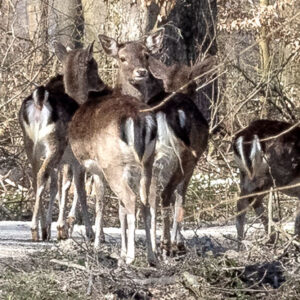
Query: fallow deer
[267, 156]
[182, 130]
[44, 118]
[111, 137]
[182, 77]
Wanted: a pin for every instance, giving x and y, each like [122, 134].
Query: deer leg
[72, 214]
[123, 224]
[62, 228]
[166, 210]
[176, 236]
[127, 202]
[79, 181]
[242, 206]
[42, 177]
[131, 234]
[53, 193]
[259, 211]
[149, 213]
[153, 211]
[100, 205]
[36, 211]
[297, 221]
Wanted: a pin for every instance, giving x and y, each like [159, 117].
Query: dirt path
[15, 236]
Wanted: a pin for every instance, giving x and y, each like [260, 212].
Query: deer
[114, 140]
[182, 129]
[267, 153]
[44, 118]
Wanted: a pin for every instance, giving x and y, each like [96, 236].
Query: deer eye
[146, 55]
[122, 59]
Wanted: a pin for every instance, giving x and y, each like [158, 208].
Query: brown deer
[44, 118]
[267, 156]
[112, 138]
[182, 77]
[182, 130]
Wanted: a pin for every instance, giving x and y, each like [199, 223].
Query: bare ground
[212, 268]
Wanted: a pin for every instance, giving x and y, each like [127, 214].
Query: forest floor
[211, 268]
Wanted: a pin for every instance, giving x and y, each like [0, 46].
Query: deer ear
[60, 51]
[109, 45]
[89, 51]
[204, 66]
[154, 41]
[157, 68]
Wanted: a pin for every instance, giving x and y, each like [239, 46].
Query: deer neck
[143, 91]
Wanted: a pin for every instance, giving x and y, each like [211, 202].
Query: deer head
[81, 72]
[135, 79]
[177, 76]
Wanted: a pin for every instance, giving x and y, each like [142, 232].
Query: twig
[68, 264]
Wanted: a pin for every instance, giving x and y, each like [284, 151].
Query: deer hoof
[178, 249]
[35, 235]
[152, 261]
[129, 260]
[71, 222]
[45, 236]
[62, 232]
[165, 247]
[90, 235]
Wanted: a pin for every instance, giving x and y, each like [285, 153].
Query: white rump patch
[167, 141]
[38, 127]
[129, 131]
[149, 125]
[256, 147]
[182, 118]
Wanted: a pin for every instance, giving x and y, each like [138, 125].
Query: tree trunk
[264, 60]
[66, 23]
[37, 11]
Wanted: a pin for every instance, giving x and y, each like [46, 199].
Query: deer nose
[141, 72]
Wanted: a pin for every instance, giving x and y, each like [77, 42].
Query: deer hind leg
[100, 185]
[123, 224]
[149, 213]
[41, 179]
[53, 193]
[127, 200]
[72, 214]
[166, 211]
[259, 211]
[62, 228]
[297, 221]
[176, 236]
[242, 207]
[79, 181]
[153, 211]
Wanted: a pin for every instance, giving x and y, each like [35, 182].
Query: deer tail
[140, 133]
[252, 163]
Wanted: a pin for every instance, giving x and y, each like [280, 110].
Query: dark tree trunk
[196, 21]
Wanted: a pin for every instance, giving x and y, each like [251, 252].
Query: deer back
[44, 116]
[263, 148]
[137, 79]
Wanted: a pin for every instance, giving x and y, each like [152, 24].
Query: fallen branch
[157, 281]
[68, 264]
